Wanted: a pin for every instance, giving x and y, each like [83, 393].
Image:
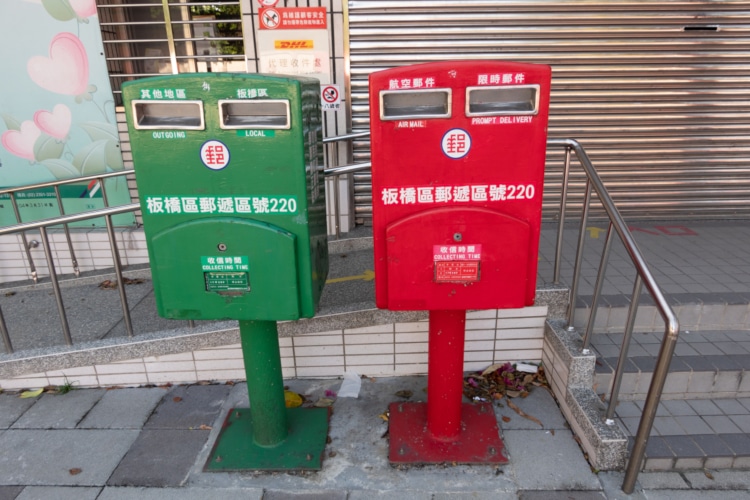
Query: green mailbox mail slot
[229, 171]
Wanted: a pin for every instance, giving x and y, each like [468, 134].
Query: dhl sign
[293, 44]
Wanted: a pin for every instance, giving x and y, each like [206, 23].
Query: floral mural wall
[57, 109]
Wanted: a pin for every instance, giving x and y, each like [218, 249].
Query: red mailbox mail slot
[458, 152]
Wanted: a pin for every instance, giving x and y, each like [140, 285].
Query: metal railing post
[73, 259]
[579, 257]
[624, 348]
[55, 285]
[561, 225]
[117, 265]
[5, 335]
[597, 290]
[26, 248]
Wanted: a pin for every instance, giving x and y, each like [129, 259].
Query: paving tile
[738, 443]
[721, 424]
[303, 495]
[11, 409]
[730, 406]
[677, 407]
[668, 426]
[657, 447]
[712, 445]
[59, 411]
[123, 409]
[684, 447]
[560, 495]
[125, 493]
[699, 363]
[628, 409]
[705, 407]
[159, 458]
[46, 457]
[564, 467]
[693, 425]
[186, 407]
[10, 492]
[742, 421]
[539, 404]
[706, 349]
[59, 493]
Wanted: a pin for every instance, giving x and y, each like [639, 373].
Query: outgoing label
[457, 271]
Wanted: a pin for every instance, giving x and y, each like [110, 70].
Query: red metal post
[445, 374]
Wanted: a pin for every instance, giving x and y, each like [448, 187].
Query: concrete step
[706, 364]
[693, 433]
[695, 312]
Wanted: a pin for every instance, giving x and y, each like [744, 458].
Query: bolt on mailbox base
[268, 436]
[444, 429]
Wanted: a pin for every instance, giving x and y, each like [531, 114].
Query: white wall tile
[375, 359]
[411, 348]
[125, 379]
[172, 377]
[420, 326]
[368, 349]
[412, 337]
[318, 351]
[24, 383]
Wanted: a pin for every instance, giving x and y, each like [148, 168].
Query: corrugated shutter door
[657, 92]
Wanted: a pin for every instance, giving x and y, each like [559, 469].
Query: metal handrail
[644, 276]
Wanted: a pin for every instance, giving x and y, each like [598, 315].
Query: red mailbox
[458, 151]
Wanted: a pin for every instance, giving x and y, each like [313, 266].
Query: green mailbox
[229, 171]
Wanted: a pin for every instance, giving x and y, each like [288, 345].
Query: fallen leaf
[708, 474]
[323, 403]
[492, 368]
[524, 414]
[10, 294]
[108, 284]
[205, 427]
[506, 419]
[406, 394]
[384, 416]
[177, 399]
[75, 471]
[552, 431]
[132, 281]
[292, 399]
[31, 394]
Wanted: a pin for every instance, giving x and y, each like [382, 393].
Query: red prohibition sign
[270, 18]
[330, 94]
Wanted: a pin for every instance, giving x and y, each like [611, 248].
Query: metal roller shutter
[657, 92]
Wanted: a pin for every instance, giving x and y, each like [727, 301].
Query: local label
[256, 133]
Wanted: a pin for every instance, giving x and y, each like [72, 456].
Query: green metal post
[265, 385]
